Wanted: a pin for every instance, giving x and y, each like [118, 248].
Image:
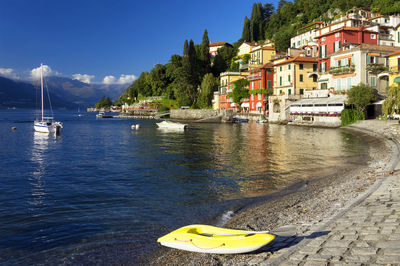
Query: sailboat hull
[48, 127]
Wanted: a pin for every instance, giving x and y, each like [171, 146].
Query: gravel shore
[304, 209]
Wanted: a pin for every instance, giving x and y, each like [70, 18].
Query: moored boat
[211, 239]
[46, 124]
[171, 125]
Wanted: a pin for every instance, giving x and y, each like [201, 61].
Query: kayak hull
[210, 239]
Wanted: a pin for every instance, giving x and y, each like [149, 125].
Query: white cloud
[123, 79]
[83, 77]
[109, 80]
[47, 71]
[8, 73]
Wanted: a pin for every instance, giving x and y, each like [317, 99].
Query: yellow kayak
[210, 239]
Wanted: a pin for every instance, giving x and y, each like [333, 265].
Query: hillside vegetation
[182, 78]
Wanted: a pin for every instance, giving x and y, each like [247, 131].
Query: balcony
[243, 66]
[342, 70]
[375, 68]
[386, 37]
[222, 89]
[253, 77]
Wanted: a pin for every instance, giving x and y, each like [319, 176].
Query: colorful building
[226, 87]
[214, 46]
[260, 80]
[261, 55]
[394, 68]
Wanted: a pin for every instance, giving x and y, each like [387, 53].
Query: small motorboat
[240, 120]
[171, 125]
[211, 239]
[103, 115]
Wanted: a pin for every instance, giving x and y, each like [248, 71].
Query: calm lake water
[103, 193]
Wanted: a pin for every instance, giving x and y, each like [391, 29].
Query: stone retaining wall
[201, 114]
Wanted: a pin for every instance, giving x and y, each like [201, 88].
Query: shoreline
[308, 208]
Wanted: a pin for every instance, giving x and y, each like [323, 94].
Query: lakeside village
[310, 82]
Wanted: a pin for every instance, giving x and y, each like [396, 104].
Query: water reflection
[37, 180]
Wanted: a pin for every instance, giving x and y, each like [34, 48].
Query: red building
[260, 80]
[331, 42]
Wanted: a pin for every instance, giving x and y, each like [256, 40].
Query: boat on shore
[171, 125]
[211, 239]
[47, 123]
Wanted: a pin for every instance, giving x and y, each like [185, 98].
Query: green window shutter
[289, 67]
[314, 78]
[280, 68]
[289, 91]
[280, 81]
[301, 91]
[269, 84]
[301, 77]
[301, 66]
[288, 78]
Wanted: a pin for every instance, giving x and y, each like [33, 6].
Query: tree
[207, 88]
[246, 30]
[205, 58]
[105, 102]
[240, 90]
[282, 40]
[158, 80]
[392, 102]
[361, 96]
[256, 23]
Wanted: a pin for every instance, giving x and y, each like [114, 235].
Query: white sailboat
[46, 124]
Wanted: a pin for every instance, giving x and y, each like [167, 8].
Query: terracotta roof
[265, 66]
[268, 48]
[213, 44]
[251, 43]
[298, 59]
[372, 47]
[395, 53]
[346, 29]
[306, 26]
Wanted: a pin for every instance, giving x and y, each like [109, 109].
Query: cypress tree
[256, 22]
[205, 54]
[185, 48]
[246, 30]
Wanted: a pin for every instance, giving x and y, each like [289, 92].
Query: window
[280, 91]
[373, 36]
[339, 84]
[315, 67]
[323, 39]
[280, 81]
[288, 78]
[289, 67]
[289, 91]
[294, 45]
[349, 83]
[259, 84]
[314, 78]
[269, 84]
[398, 37]
[269, 71]
[324, 86]
[259, 96]
[280, 68]
[252, 85]
[298, 43]
[301, 91]
[252, 97]
[301, 66]
[373, 81]
[336, 46]
[301, 77]
[337, 34]
[322, 51]
[259, 73]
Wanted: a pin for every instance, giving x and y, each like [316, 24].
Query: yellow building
[293, 75]
[394, 68]
[261, 55]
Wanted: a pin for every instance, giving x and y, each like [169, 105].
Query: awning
[245, 105]
[233, 104]
[259, 105]
[343, 57]
[397, 80]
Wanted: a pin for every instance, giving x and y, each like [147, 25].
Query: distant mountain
[64, 93]
[25, 95]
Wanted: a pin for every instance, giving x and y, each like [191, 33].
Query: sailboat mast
[41, 86]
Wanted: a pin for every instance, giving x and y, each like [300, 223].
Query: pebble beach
[307, 211]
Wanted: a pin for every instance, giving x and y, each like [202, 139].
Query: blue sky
[108, 40]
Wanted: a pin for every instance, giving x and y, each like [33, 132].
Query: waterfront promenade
[367, 231]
